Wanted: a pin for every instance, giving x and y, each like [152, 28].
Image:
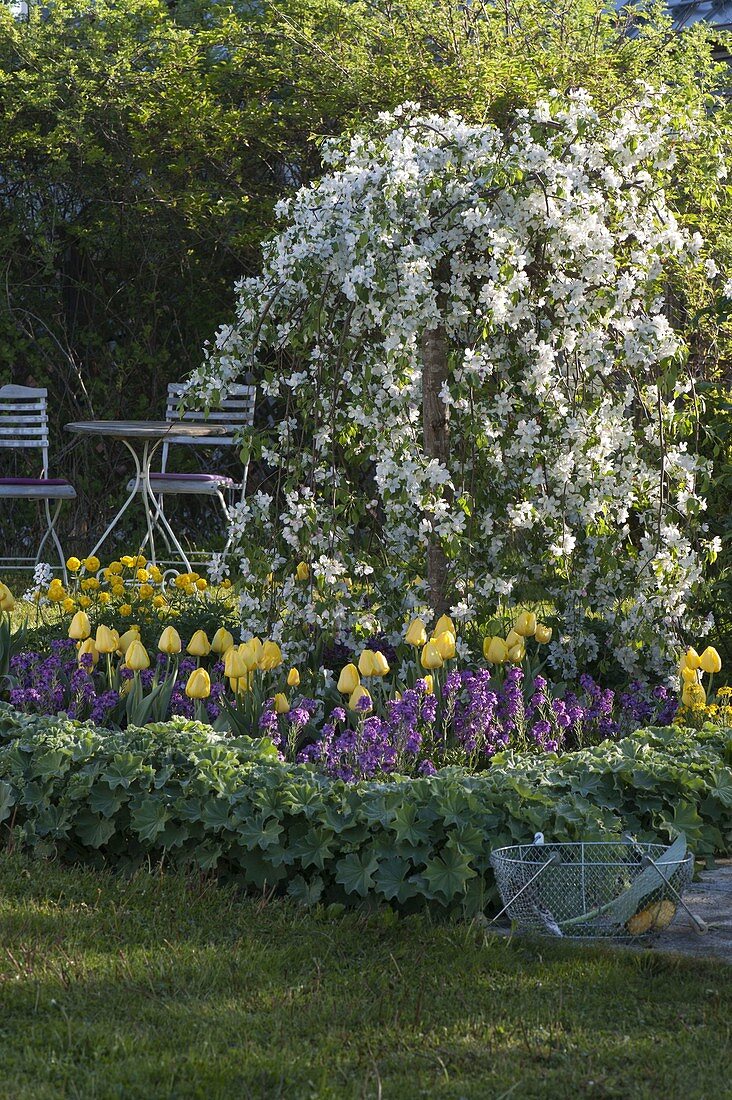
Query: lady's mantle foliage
[177, 792]
[544, 252]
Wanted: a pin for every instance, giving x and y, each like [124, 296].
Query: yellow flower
[127, 561]
[118, 590]
[169, 641]
[692, 658]
[366, 665]
[416, 633]
[525, 625]
[56, 593]
[80, 627]
[199, 684]
[689, 675]
[84, 601]
[7, 600]
[155, 573]
[114, 568]
[235, 662]
[495, 650]
[181, 580]
[199, 645]
[348, 680]
[88, 647]
[125, 610]
[69, 604]
[91, 564]
[303, 571]
[430, 657]
[359, 692]
[201, 584]
[517, 653]
[270, 657]
[543, 634]
[693, 695]
[226, 583]
[293, 678]
[190, 589]
[429, 684]
[105, 640]
[241, 685]
[158, 601]
[444, 623]
[104, 598]
[445, 643]
[140, 560]
[281, 704]
[513, 638]
[137, 656]
[73, 565]
[126, 640]
[90, 584]
[222, 641]
[710, 660]
[142, 575]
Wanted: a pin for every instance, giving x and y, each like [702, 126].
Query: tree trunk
[436, 433]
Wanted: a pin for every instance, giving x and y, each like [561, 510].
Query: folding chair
[24, 425]
[236, 412]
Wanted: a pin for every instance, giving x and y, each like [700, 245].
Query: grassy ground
[166, 987]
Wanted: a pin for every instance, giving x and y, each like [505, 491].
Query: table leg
[156, 517]
[127, 503]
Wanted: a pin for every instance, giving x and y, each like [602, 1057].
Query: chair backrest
[23, 419]
[235, 411]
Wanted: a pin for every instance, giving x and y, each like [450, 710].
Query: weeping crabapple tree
[474, 394]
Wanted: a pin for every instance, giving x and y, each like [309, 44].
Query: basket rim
[647, 846]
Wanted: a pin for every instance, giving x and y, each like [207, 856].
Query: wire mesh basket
[619, 889]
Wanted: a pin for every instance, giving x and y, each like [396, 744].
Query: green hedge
[177, 793]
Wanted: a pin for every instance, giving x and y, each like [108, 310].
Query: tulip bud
[199, 645]
[444, 623]
[692, 658]
[543, 634]
[169, 641]
[366, 665]
[429, 684]
[445, 643]
[303, 571]
[136, 656]
[416, 633]
[222, 641]
[235, 662]
[525, 625]
[105, 640]
[348, 680]
[88, 647]
[495, 650]
[689, 675]
[280, 703]
[293, 678]
[693, 695]
[517, 653]
[430, 657]
[126, 640]
[199, 684]
[710, 661]
[379, 663]
[80, 627]
[7, 600]
[513, 638]
[251, 651]
[270, 657]
[359, 693]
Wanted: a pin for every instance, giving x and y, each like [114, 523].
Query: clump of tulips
[512, 648]
[692, 668]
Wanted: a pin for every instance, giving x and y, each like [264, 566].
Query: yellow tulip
[270, 657]
[359, 692]
[348, 680]
[281, 704]
[366, 663]
[444, 623]
[429, 684]
[137, 656]
[198, 685]
[445, 643]
[105, 640]
[80, 627]
[710, 661]
[380, 664]
[253, 649]
[126, 640]
[513, 638]
[416, 633]
[73, 565]
[525, 625]
[293, 678]
[430, 657]
[235, 662]
[222, 641]
[303, 571]
[692, 658]
[88, 647]
[199, 645]
[517, 653]
[169, 641]
[543, 634]
[693, 695]
[689, 675]
[495, 650]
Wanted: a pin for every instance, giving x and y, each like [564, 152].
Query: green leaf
[306, 893]
[391, 880]
[148, 819]
[7, 800]
[93, 829]
[356, 873]
[103, 800]
[448, 874]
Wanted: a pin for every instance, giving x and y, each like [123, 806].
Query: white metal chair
[24, 425]
[236, 412]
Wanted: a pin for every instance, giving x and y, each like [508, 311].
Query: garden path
[711, 899]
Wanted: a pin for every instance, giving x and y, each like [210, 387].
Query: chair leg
[227, 517]
[51, 530]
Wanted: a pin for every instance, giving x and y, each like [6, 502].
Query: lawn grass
[171, 987]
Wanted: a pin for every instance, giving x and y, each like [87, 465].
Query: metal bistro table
[147, 434]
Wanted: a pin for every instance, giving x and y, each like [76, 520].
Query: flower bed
[178, 792]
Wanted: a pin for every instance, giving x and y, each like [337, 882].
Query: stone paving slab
[711, 899]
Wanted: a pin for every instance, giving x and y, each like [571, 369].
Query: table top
[146, 429]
